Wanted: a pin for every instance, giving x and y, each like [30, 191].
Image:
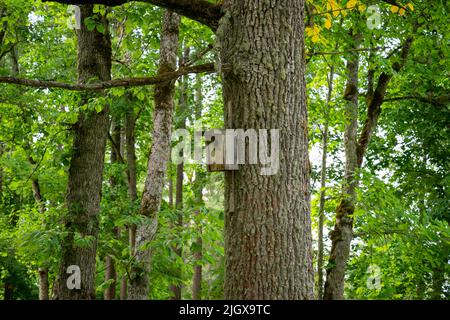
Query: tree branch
[375, 101]
[394, 3]
[202, 11]
[126, 82]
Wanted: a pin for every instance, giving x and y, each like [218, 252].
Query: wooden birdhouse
[221, 152]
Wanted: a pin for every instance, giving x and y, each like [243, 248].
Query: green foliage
[401, 248]
[407, 248]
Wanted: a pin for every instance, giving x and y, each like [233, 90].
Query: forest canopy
[235, 149]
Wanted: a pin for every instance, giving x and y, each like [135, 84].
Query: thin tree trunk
[176, 288]
[182, 106]
[123, 288]
[159, 156]
[268, 246]
[198, 253]
[130, 147]
[420, 289]
[43, 272]
[116, 146]
[323, 177]
[130, 142]
[3, 27]
[14, 61]
[110, 274]
[342, 234]
[86, 167]
[198, 191]
[8, 291]
[420, 283]
[375, 99]
[170, 191]
[438, 280]
[198, 256]
[1, 171]
[43, 284]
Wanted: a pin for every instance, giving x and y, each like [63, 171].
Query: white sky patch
[33, 18]
[315, 154]
[391, 45]
[37, 137]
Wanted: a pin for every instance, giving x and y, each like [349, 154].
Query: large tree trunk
[342, 234]
[86, 167]
[267, 218]
[323, 179]
[159, 156]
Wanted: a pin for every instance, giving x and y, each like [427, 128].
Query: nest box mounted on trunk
[221, 152]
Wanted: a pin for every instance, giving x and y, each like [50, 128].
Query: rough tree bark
[159, 156]
[342, 234]
[86, 167]
[323, 177]
[267, 218]
[268, 245]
